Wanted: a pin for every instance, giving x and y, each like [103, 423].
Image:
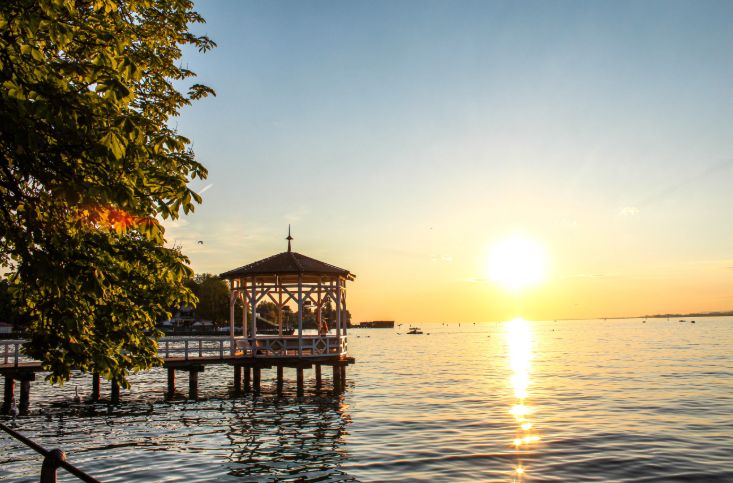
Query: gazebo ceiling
[287, 263]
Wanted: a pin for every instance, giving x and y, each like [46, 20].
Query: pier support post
[25, 396]
[115, 396]
[300, 380]
[171, 392]
[237, 379]
[318, 376]
[95, 387]
[8, 394]
[279, 380]
[256, 374]
[193, 381]
[247, 379]
[336, 378]
[343, 377]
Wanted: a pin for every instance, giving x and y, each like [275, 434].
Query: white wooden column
[320, 303]
[346, 320]
[232, 303]
[279, 306]
[254, 307]
[245, 308]
[338, 312]
[300, 315]
[243, 298]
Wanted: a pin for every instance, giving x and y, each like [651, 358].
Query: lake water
[616, 400]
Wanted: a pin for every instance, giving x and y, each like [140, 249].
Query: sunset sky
[403, 140]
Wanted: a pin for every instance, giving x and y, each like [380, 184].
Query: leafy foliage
[213, 295]
[88, 164]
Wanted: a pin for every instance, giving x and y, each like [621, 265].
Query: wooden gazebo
[286, 278]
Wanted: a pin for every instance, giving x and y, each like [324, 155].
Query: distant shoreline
[728, 313]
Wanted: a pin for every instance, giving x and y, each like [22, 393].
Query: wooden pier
[285, 279]
[190, 355]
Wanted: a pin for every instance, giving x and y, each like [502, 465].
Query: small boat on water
[414, 331]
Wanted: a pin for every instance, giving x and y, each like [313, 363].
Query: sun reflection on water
[519, 343]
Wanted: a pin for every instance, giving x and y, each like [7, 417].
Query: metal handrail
[52, 459]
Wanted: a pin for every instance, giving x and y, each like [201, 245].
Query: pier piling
[171, 383]
[115, 393]
[247, 379]
[193, 381]
[25, 395]
[237, 379]
[318, 376]
[9, 394]
[336, 378]
[279, 380]
[300, 381]
[95, 387]
[256, 379]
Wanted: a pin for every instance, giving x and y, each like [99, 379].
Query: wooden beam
[237, 379]
[95, 387]
[300, 316]
[247, 377]
[256, 375]
[25, 397]
[300, 381]
[336, 379]
[171, 392]
[8, 394]
[115, 393]
[193, 384]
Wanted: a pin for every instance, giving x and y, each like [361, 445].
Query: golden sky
[404, 140]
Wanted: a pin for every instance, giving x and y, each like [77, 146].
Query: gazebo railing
[10, 352]
[291, 346]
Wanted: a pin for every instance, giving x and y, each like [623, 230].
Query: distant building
[376, 324]
[6, 328]
[182, 320]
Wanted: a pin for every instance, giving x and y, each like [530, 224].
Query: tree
[8, 310]
[267, 310]
[213, 295]
[88, 167]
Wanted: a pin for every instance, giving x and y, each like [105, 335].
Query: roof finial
[289, 237]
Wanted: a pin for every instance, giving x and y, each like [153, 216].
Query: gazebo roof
[287, 263]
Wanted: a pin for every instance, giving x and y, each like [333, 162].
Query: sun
[517, 263]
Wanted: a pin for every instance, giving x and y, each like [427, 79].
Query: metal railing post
[51, 463]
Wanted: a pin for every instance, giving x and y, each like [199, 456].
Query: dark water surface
[619, 400]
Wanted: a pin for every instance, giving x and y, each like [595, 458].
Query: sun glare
[517, 263]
